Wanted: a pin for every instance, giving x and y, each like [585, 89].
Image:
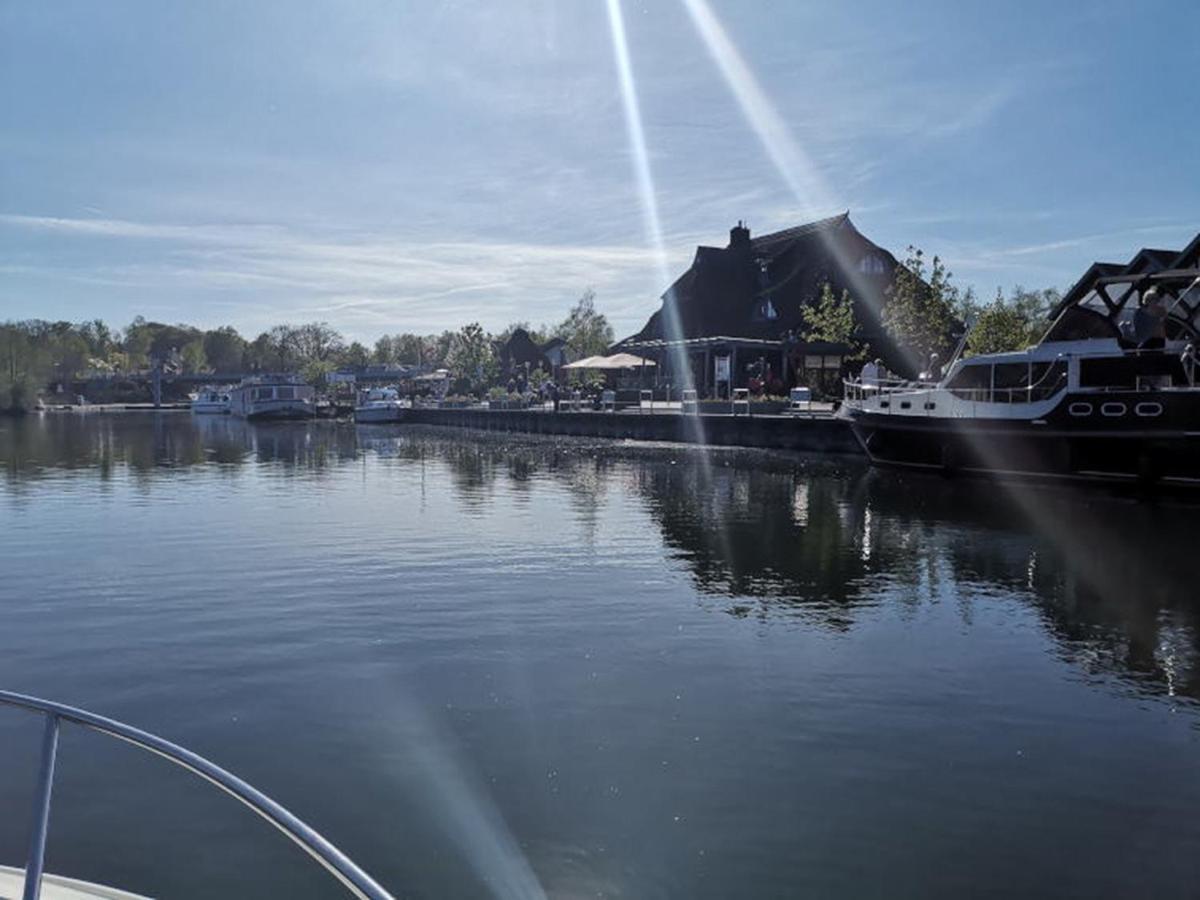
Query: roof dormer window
[872, 264]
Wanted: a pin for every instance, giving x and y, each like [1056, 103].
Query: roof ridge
[807, 228]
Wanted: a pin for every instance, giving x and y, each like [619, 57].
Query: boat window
[1047, 379]
[1010, 381]
[972, 382]
[286, 393]
[263, 393]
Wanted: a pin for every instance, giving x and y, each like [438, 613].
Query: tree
[920, 313]
[317, 341]
[192, 356]
[831, 319]
[1013, 323]
[224, 348]
[356, 356]
[586, 332]
[471, 358]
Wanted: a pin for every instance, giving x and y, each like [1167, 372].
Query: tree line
[35, 353]
[927, 313]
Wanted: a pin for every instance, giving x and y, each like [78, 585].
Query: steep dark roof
[756, 287]
[774, 239]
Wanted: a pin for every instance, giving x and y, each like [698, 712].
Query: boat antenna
[962, 344]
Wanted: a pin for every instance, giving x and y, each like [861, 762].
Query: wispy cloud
[366, 280]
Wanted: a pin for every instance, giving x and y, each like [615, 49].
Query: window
[1047, 379]
[286, 393]
[1009, 382]
[972, 382]
[872, 265]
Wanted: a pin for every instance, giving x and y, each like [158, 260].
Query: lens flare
[680, 365]
[812, 194]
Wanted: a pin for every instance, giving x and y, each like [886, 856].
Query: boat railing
[354, 879]
[1050, 383]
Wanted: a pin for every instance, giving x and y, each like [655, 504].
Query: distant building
[743, 302]
[521, 352]
[1105, 298]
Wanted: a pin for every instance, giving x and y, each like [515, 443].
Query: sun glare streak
[813, 195]
[785, 153]
[681, 367]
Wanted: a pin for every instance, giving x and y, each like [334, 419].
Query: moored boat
[380, 405]
[272, 397]
[1109, 394]
[211, 403]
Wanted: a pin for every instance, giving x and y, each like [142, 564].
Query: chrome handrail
[314, 844]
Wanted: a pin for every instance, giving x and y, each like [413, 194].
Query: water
[492, 667]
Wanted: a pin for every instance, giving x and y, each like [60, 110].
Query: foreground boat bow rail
[358, 882]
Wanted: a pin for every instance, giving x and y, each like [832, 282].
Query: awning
[616, 361]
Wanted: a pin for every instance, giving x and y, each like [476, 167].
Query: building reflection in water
[1111, 579]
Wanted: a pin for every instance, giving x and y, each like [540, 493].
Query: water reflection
[760, 535]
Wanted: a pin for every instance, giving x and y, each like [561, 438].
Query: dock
[818, 433]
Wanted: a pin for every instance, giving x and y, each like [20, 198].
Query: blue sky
[413, 166]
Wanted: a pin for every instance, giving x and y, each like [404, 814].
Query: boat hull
[281, 410]
[1114, 436]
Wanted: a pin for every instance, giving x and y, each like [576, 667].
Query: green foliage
[471, 358]
[224, 349]
[356, 356]
[586, 332]
[831, 318]
[192, 356]
[922, 308]
[316, 371]
[1013, 323]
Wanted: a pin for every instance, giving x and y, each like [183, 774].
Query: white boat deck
[55, 887]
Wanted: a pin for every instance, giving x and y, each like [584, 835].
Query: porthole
[1080, 409]
[904, 404]
[931, 405]
[1112, 410]
[885, 403]
[1148, 409]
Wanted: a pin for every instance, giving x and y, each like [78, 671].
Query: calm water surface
[511, 668]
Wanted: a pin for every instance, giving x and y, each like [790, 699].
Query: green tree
[921, 309]
[831, 318]
[1013, 323]
[192, 356]
[586, 331]
[356, 356]
[471, 359]
[225, 349]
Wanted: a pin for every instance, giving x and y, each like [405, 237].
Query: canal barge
[272, 397]
[1087, 403]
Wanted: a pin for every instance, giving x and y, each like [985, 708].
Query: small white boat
[272, 397]
[211, 403]
[380, 405]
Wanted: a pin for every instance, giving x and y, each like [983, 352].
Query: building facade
[744, 301]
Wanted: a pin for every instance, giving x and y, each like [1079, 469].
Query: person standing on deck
[1150, 322]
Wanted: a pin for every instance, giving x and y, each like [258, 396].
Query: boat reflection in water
[773, 535]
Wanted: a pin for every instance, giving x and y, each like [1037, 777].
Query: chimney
[739, 235]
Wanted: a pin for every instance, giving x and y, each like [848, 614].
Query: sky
[397, 166]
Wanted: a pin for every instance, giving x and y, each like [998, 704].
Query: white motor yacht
[380, 405]
[211, 403]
